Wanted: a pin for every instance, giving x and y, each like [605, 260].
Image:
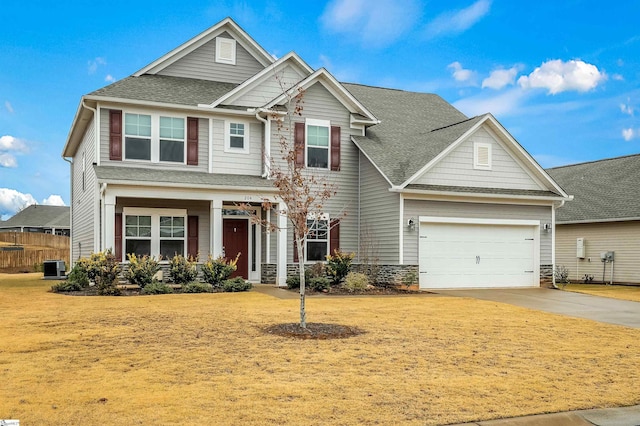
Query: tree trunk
[303, 313]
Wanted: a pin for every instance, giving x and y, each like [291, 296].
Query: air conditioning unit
[54, 269]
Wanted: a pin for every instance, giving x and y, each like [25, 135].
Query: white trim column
[216, 228]
[281, 269]
[109, 222]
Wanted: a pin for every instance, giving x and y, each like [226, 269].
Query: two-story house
[162, 159]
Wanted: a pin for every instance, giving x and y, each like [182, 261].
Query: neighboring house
[161, 160]
[605, 215]
[38, 218]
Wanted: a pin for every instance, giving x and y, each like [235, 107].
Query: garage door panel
[472, 255]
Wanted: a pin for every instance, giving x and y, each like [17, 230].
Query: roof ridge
[380, 87]
[455, 124]
[594, 161]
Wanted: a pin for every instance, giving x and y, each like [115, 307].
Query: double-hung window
[172, 139]
[150, 137]
[236, 137]
[317, 240]
[318, 143]
[155, 232]
[137, 136]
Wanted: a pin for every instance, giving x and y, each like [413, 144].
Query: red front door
[235, 239]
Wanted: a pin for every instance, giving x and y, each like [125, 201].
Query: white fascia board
[226, 24]
[373, 163]
[531, 161]
[78, 125]
[122, 103]
[132, 183]
[595, 221]
[418, 194]
[444, 153]
[334, 87]
[254, 81]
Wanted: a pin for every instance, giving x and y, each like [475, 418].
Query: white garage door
[477, 255]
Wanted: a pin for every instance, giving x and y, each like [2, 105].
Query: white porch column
[109, 222]
[216, 228]
[281, 269]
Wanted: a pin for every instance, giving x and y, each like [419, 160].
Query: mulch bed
[314, 330]
[373, 290]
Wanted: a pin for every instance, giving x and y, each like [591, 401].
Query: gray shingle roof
[415, 128]
[603, 190]
[166, 89]
[477, 190]
[41, 216]
[140, 175]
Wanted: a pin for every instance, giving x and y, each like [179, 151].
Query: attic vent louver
[225, 50]
[482, 156]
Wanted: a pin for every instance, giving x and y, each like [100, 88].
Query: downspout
[266, 149]
[553, 242]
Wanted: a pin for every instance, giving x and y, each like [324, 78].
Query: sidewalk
[623, 416]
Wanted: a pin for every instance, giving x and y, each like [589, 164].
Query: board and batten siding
[623, 238]
[201, 64]
[84, 199]
[320, 104]
[270, 89]
[379, 217]
[456, 169]
[237, 163]
[416, 208]
[203, 146]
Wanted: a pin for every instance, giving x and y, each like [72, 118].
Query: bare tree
[303, 192]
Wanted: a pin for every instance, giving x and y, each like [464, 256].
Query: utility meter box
[607, 256]
[580, 248]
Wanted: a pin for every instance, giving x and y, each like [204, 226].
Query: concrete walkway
[602, 309]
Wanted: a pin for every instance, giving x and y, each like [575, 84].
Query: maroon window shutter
[335, 148]
[117, 241]
[192, 240]
[295, 252]
[299, 144]
[334, 236]
[192, 141]
[115, 135]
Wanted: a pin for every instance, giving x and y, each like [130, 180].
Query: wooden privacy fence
[35, 239]
[28, 260]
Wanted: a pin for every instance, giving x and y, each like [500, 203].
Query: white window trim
[155, 137]
[155, 226]
[476, 164]
[220, 59]
[324, 217]
[227, 137]
[318, 123]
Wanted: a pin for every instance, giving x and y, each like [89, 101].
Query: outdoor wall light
[411, 224]
[546, 227]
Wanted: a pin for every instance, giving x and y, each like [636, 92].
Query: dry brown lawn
[623, 292]
[204, 359]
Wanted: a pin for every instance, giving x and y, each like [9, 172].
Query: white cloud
[503, 105]
[627, 108]
[8, 160]
[374, 22]
[629, 134]
[458, 21]
[617, 77]
[12, 201]
[460, 74]
[109, 78]
[9, 143]
[92, 65]
[557, 76]
[53, 200]
[8, 106]
[500, 78]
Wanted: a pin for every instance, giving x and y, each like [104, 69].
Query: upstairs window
[237, 137]
[481, 156]
[225, 50]
[137, 137]
[172, 139]
[317, 143]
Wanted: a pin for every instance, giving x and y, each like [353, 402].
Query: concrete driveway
[613, 311]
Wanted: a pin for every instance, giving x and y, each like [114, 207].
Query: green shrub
[410, 278]
[315, 271]
[103, 268]
[215, 271]
[183, 270]
[293, 282]
[338, 265]
[196, 287]
[319, 283]
[236, 284]
[355, 281]
[141, 269]
[78, 276]
[66, 286]
[156, 287]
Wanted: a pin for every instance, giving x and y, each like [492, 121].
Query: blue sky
[561, 76]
